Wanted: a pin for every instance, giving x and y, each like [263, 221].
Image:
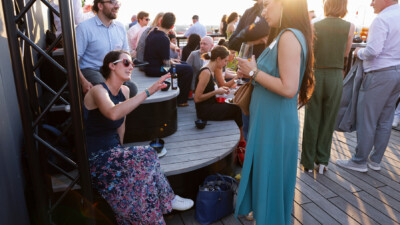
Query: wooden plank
[188, 218]
[230, 220]
[322, 190]
[384, 208]
[300, 198]
[173, 219]
[321, 202]
[352, 211]
[355, 201]
[391, 192]
[319, 214]
[303, 216]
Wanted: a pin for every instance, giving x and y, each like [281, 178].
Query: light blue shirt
[383, 42]
[94, 40]
[196, 28]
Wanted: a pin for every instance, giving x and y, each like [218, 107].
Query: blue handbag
[215, 198]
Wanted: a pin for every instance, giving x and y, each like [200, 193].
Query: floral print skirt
[131, 181]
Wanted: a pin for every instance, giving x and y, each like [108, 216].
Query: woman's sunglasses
[126, 62]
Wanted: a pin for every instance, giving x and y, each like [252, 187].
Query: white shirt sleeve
[377, 36]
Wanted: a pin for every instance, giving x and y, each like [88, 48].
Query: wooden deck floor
[340, 196]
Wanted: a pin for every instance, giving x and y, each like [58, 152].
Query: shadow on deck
[340, 196]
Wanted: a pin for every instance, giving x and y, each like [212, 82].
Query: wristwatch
[253, 73]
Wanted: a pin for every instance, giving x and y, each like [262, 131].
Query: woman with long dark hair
[128, 178]
[193, 43]
[223, 25]
[231, 21]
[283, 81]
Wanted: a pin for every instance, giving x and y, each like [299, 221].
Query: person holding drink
[283, 81]
[207, 107]
[128, 178]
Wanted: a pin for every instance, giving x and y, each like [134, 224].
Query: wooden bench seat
[190, 148]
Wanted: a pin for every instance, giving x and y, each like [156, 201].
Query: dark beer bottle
[174, 78]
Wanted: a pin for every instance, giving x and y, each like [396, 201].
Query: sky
[211, 11]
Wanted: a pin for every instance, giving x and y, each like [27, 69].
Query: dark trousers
[219, 112]
[95, 77]
[320, 117]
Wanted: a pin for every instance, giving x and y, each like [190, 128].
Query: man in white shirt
[196, 28]
[380, 87]
[133, 32]
[79, 14]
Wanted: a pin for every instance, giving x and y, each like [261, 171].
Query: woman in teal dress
[283, 81]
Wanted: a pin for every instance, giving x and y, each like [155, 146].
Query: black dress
[210, 109]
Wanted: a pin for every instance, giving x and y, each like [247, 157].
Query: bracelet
[147, 92]
[255, 74]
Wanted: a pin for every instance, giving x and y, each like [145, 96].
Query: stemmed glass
[166, 65]
[246, 52]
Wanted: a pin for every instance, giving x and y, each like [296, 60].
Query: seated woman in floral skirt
[128, 178]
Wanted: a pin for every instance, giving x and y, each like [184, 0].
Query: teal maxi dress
[270, 166]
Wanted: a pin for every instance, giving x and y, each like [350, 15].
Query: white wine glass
[166, 65]
[246, 52]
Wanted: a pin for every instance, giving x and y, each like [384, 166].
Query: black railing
[35, 111]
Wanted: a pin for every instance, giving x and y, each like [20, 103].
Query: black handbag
[215, 198]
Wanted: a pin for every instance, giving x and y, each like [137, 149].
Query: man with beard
[96, 37]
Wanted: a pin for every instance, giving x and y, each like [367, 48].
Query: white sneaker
[181, 204]
[322, 168]
[373, 165]
[352, 165]
[396, 122]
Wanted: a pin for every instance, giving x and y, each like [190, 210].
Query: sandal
[183, 104]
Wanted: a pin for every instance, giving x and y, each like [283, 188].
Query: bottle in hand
[174, 78]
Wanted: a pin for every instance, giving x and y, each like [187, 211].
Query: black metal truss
[33, 114]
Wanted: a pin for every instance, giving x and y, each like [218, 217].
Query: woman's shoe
[322, 168]
[183, 104]
[307, 170]
[250, 216]
[181, 204]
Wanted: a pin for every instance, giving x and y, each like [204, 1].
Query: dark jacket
[245, 33]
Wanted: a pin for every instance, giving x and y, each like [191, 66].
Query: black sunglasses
[126, 62]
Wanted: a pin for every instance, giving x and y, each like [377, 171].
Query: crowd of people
[296, 63]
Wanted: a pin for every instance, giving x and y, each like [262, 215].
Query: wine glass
[246, 52]
[166, 65]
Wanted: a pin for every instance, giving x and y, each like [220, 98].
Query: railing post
[71, 62]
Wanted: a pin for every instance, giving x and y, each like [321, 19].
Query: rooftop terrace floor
[340, 196]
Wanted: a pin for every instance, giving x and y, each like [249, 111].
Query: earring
[280, 20]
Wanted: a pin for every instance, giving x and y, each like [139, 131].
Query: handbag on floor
[215, 198]
[243, 97]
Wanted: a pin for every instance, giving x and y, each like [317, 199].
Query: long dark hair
[109, 58]
[232, 17]
[295, 15]
[193, 42]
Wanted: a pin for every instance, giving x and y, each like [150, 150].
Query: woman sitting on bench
[128, 178]
[207, 107]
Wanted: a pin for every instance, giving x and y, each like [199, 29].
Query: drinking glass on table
[166, 65]
[246, 52]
